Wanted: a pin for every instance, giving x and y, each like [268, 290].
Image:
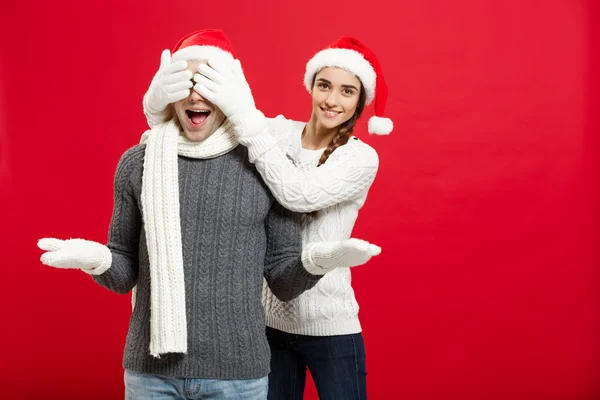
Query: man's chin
[197, 136]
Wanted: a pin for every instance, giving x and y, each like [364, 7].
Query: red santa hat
[350, 54]
[207, 44]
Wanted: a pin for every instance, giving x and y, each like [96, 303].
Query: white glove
[225, 86]
[91, 257]
[321, 257]
[171, 83]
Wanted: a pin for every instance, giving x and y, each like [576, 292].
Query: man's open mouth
[197, 116]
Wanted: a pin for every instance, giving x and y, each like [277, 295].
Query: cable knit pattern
[233, 236]
[337, 189]
[160, 199]
[346, 176]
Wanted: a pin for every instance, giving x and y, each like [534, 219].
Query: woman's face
[335, 95]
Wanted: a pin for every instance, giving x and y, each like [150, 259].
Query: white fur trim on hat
[201, 53]
[347, 59]
[380, 126]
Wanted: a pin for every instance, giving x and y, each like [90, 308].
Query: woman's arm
[348, 173]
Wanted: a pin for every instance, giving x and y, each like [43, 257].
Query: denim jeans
[154, 387]
[336, 363]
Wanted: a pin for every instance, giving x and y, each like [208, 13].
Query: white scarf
[160, 206]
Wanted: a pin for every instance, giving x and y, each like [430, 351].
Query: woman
[321, 169]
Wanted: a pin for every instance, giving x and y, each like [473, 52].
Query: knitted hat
[207, 44]
[350, 54]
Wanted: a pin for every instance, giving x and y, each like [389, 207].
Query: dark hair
[345, 130]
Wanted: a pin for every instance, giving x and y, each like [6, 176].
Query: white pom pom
[380, 126]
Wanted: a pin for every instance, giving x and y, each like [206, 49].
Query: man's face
[198, 117]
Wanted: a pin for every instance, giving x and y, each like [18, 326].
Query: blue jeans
[336, 363]
[154, 387]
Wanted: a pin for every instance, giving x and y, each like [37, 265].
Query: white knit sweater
[336, 190]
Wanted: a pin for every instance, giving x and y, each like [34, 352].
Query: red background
[486, 203]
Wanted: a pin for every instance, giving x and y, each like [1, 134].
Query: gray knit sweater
[233, 235]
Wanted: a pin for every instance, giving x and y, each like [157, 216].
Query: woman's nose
[331, 100]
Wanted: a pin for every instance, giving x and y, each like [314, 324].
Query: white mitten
[171, 83]
[226, 87]
[321, 257]
[91, 257]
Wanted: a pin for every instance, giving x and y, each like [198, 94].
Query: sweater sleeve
[286, 276]
[125, 227]
[348, 173]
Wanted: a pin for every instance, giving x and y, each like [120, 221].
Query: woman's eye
[323, 86]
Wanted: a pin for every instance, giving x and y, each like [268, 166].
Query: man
[195, 230]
